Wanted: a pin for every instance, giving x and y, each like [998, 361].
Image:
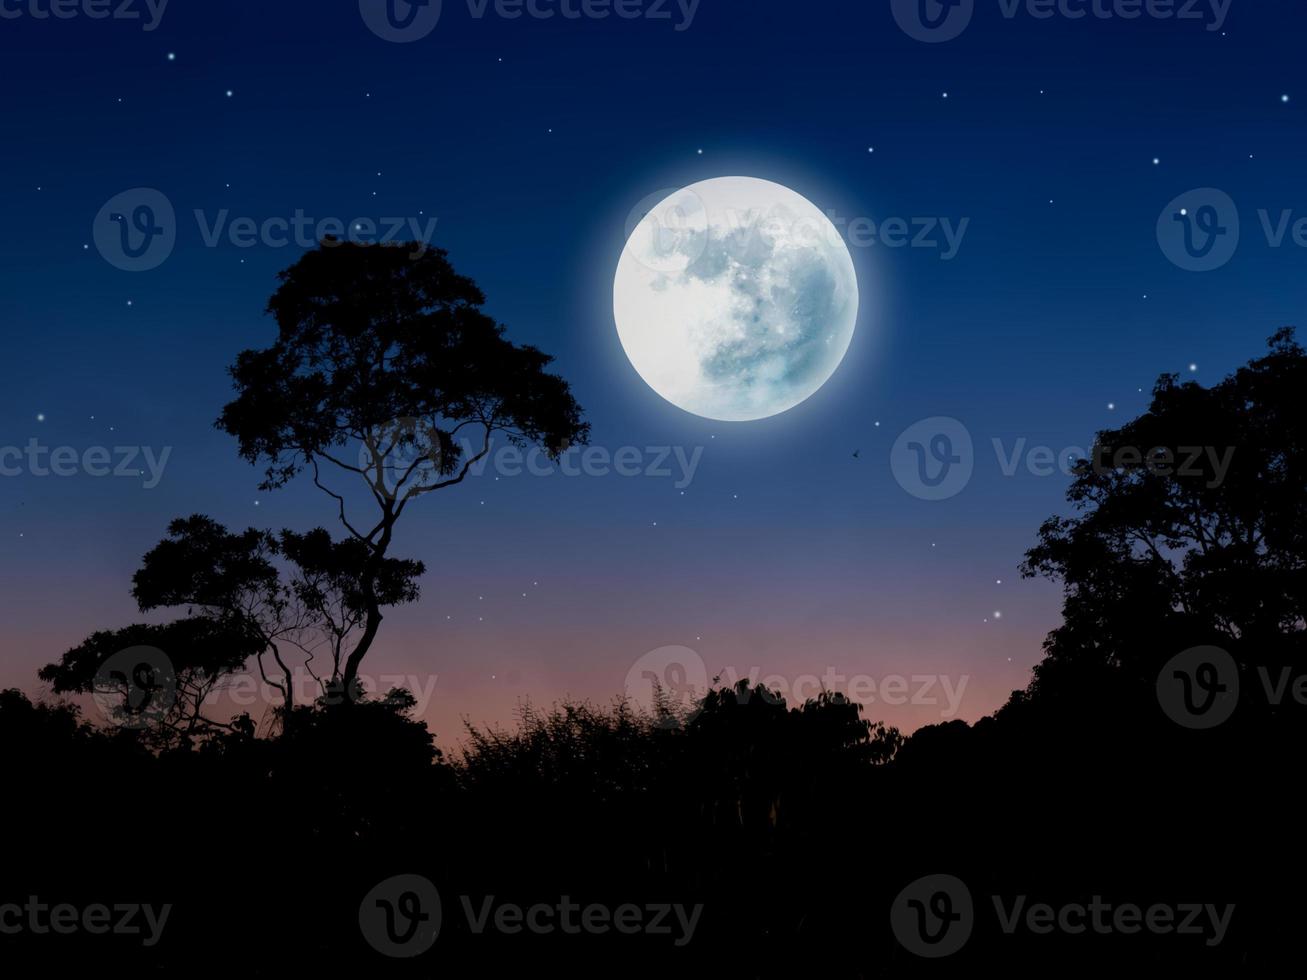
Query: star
[998, 614]
[230, 93]
[1111, 406]
[171, 56]
[1193, 367]
[40, 416]
[1284, 98]
[1156, 161]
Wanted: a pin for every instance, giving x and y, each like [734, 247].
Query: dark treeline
[1153, 760]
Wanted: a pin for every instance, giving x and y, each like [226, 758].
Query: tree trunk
[349, 678]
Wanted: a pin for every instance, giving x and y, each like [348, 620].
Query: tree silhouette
[385, 351]
[165, 697]
[1192, 529]
[250, 595]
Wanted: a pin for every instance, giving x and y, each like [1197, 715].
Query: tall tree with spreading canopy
[1191, 528]
[384, 364]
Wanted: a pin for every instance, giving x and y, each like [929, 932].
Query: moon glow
[735, 298]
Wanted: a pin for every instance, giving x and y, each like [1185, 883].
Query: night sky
[529, 141]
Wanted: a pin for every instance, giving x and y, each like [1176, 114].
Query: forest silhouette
[1151, 759]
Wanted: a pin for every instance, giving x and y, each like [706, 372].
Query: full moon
[735, 298]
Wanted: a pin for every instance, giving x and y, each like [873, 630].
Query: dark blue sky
[529, 141]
